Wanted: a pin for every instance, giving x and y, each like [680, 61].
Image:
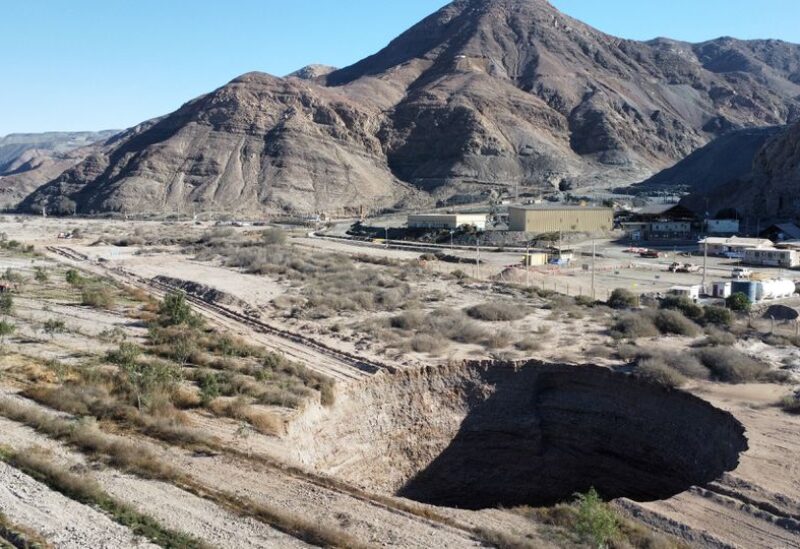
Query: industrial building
[447, 221]
[664, 222]
[542, 218]
[722, 246]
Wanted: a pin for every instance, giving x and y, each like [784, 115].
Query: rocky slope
[498, 92]
[723, 160]
[768, 191]
[28, 161]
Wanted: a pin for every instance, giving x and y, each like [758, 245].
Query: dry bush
[717, 337]
[635, 325]
[265, 422]
[497, 311]
[498, 339]
[669, 321]
[425, 343]
[657, 371]
[683, 363]
[98, 296]
[732, 366]
[409, 320]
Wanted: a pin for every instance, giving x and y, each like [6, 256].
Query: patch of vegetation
[674, 322]
[658, 372]
[84, 489]
[497, 311]
[623, 299]
[732, 366]
[634, 326]
[53, 326]
[74, 278]
[738, 302]
[791, 404]
[99, 296]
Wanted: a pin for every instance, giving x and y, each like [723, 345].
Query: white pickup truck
[741, 273]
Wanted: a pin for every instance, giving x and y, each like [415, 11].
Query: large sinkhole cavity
[488, 434]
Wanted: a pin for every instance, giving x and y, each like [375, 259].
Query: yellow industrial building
[544, 218]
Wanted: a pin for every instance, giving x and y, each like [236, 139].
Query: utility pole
[527, 264]
[705, 250]
[477, 257]
[594, 253]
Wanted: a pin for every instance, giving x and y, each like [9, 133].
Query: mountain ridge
[502, 93]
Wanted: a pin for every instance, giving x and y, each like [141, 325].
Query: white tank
[776, 289]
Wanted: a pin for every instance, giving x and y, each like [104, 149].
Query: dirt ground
[755, 505]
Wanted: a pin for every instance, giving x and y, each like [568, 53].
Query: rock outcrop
[769, 191]
[497, 93]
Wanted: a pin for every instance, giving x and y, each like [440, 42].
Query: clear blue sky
[95, 64]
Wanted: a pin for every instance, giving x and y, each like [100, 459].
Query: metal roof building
[546, 218]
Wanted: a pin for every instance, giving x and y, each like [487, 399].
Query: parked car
[734, 255]
[650, 254]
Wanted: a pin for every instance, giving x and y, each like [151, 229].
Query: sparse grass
[84, 489]
[13, 536]
[86, 437]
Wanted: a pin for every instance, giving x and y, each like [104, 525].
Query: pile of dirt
[487, 434]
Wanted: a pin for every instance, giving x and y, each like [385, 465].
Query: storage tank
[776, 289]
[746, 287]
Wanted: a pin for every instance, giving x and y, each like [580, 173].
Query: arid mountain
[769, 191]
[723, 160]
[28, 161]
[497, 92]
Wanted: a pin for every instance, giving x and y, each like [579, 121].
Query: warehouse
[447, 221]
[541, 219]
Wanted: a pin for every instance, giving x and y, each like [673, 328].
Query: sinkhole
[489, 434]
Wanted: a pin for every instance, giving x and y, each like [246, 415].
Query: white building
[772, 257]
[718, 245]
[447, 221]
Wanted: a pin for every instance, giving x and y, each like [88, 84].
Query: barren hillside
[479, 93]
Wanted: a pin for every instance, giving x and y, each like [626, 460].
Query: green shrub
[41, 275]
[623, 299]
[738, 302]
[683, 304]
[791, 404]
[54, 326]
[719, 316]
[732, 366]
[673, 322]
[125, 355]
[6, 304]
[73, 278]
[175, 311]
[596, 522]
[6, 329]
